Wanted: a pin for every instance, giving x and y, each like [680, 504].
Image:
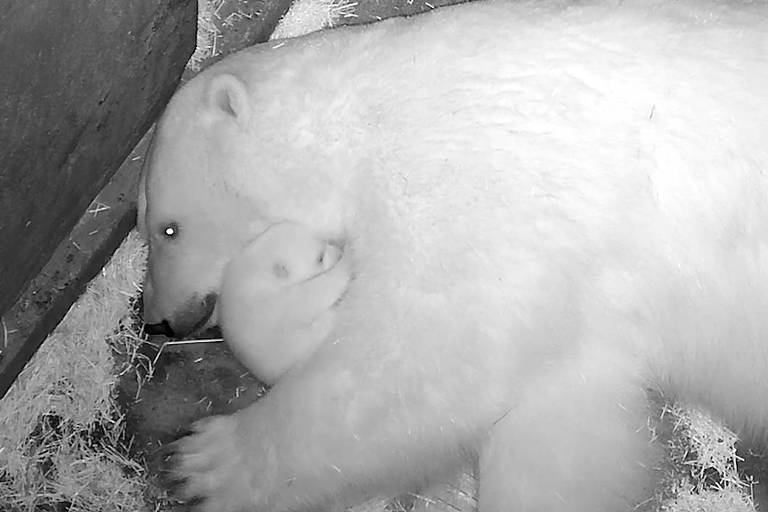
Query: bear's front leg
[387, 401]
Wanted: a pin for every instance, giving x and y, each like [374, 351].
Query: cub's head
[287, 253]
[221, 169]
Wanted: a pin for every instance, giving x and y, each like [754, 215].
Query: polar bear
[277, 297]
[549, 209]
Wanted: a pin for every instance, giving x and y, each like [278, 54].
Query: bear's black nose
[161, 328]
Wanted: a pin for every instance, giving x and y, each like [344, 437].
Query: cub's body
[547, 209]
[277, 298]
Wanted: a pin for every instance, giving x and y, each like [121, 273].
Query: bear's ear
[226, 95]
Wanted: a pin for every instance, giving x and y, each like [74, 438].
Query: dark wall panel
[80, 82]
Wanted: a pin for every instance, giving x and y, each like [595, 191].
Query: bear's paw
[212, 469]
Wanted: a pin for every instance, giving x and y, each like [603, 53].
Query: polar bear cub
[277, 298]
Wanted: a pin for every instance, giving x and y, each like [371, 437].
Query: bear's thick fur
[548, 209]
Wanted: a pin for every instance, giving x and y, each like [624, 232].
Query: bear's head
[221, 169]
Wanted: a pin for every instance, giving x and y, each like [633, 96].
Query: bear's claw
[208, 467]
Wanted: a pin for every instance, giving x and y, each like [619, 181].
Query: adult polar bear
[548, 210]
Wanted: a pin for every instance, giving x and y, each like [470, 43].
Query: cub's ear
[226, 95]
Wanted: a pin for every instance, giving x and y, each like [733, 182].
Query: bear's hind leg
[577, 441]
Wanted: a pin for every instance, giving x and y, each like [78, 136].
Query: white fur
[547, 210]
[277, 298]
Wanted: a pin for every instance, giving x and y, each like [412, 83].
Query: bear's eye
[170, 230]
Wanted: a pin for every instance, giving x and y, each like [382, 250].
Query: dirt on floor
[188, 382]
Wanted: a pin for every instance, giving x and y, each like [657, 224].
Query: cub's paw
[212, 469]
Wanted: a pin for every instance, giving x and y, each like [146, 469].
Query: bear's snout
[192, 317]
[161, 328]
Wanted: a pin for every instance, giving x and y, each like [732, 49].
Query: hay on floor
[61, 433]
